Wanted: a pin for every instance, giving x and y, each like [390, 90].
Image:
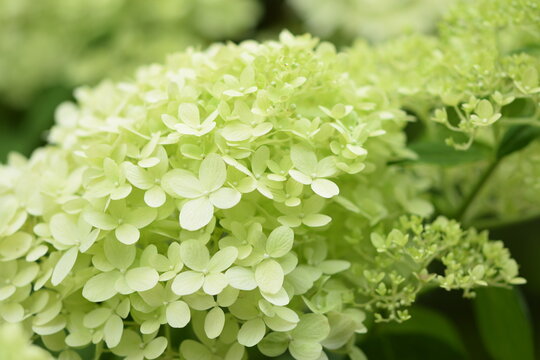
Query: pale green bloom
[235, 192]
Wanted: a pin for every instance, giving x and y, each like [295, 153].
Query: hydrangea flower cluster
[376, 20]
[234, 198]
[104, 38]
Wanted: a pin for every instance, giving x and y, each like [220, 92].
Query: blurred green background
[49, 47]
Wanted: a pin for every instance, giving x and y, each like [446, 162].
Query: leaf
[142, 278]
[430, 323]
[280, 242]
[251, 332]
[269, 276]
[178, 314]
[64, 266]
[516, 138]
[214, 322]
[212, 173]
[503, 324]
[438, 153]
[196, 214]
[187, 283]
[101, 287]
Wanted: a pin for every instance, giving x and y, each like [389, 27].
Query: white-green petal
[214, 322]
[304, 159]
[196, 214]
[225, 198]
[251, 332]
[100, 220]
[64, 230]
[101, 287]
[178, 314]
[269, 276]
[120, 255]
[142, 278]
[64, 266]
[312, 327]
[280, 242]
[223, 259]
[155, 197]
[189, 114]
[155, 348]
[182, 184]
[300, 177]
[241, 278]
[215, 283]
[139, 177]
[304, 350]
[127, 234]
[187, 283]
[274, 344]
[193, 350]
[316, 220]
[194, 254]
[212, 173]
[113, 330]
[325, 188]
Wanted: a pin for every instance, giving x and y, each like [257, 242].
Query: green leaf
[431, 323]
[516, 138]
[438, 153]
[503, 324]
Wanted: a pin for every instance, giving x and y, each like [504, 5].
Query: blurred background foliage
[49, 47]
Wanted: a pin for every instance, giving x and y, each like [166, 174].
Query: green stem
[462, 210]
[98, 351]
[499, 223]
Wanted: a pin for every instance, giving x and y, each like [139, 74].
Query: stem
[169, 352]
[98, 351]
[493, 224]
[462, 210]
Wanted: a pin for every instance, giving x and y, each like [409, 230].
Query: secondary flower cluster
[104, 38]
[230, 192]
